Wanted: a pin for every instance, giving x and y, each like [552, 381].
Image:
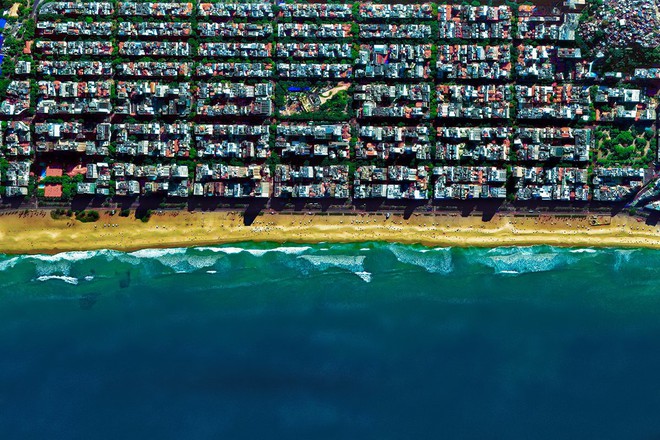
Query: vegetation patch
[624, 147]
[57, 214]
[87, 216]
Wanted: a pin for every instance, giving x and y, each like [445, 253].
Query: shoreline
[35, 232]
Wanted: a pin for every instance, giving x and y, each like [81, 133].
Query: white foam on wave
[177, 259]
[351, 263]
[181, 260]
[61, 262]
[224, 250]
[508, 250]
[257, 252]
[365, 249]
[292, 250]
[183, 263]
[212, 271]
[621, 257]
[66, 279]
[156, 253]
[8, 264]
[366, 276]
[201, 261]
[423, 251]
[524, 262]
[436, 260]
[342, 261]
[529, 259]
[66, 256]
[52, 267]
[136, 257]
[57, 264]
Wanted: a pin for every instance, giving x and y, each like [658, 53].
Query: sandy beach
[36, 232]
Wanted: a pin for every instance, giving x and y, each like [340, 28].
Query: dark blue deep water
[374, 341]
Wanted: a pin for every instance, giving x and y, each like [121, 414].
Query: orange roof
[78, 169]
[53, 190]
[54, 171]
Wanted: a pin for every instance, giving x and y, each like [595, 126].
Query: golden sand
[37, 232]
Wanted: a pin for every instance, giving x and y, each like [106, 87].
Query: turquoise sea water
[374, 340]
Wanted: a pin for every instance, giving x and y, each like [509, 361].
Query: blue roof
[3, 22]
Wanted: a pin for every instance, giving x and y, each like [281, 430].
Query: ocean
[336, 341]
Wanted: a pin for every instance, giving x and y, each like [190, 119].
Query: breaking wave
[8, 264]
[68, 280]
[366, 276]
[521, 260]
[517, 260]
[364, 260]
[583, 251]
[291, 250]
[622, 257]
[157, 253]
[523, 263]
[433, 260]
[224, 250]
[352, 263]
[72, 256]
[180, 260]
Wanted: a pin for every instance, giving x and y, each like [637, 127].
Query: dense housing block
[307, 100]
